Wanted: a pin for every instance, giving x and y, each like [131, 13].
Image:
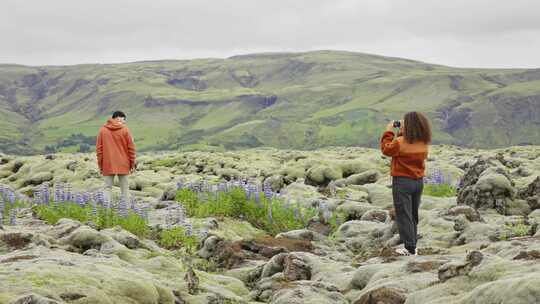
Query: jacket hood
[113, 125]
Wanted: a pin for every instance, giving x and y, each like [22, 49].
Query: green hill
[285, 100]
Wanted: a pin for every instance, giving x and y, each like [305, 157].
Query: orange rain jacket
[115, 149]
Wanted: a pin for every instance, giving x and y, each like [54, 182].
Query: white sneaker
[402, 251]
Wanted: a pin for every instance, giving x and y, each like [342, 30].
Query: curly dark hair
[118, 114]
[416, 128]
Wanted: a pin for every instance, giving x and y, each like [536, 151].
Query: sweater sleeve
[99, 151]
[131, 149]
[389, 146]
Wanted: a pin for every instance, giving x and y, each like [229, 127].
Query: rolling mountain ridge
[284, 100]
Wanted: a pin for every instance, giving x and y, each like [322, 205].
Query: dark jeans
[406, 193]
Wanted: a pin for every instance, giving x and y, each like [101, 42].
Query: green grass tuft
[105, 218]
[440, 190]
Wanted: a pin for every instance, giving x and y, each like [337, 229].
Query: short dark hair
[118, 114]
[417, 128]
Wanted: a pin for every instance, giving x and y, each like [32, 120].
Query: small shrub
[521, 230]
[176, 238]
[167, 162]
[518, 230]
[271, 215]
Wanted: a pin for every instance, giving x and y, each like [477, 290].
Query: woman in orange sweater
[409, 151]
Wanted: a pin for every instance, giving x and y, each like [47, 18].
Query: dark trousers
[406, 193]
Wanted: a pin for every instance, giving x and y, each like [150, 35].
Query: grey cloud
[476, 33]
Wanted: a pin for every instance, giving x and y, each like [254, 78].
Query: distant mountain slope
[285, 100]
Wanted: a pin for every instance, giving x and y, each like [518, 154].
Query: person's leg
[109, 179]
[416, 200]
[402, 196]
[124, 186]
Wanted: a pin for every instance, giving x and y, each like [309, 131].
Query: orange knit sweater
[407, 159]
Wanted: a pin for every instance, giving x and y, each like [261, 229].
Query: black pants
[406, 193]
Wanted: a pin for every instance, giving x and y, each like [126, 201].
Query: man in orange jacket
[115, 152]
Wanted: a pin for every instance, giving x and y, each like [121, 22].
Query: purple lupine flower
[1, 217]
[78, 198]
[47, 193]
[94, 208]
[57, 195]
[268, 193]
[137, 211]
[323, 210]
[296, 213]
[437, 177]
[86, 197]
[257, 197]
[95, 196]
[172, 213]
[11, 198]
[252, 187]
[12, 217]
[69, 196]
[133, 204]
[204, 185]
[145, 212]
[106, 203]
[62, 193]
[122, 207]
[43, 195]
[248, 193]
[226, 186]
[101, 198]
[37, 196]
[180, 184]
[270, 217]
[189, 229]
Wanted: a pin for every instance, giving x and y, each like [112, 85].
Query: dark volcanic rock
[532, 194]
[486, 185]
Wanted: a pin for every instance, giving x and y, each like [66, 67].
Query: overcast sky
[465, 33]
